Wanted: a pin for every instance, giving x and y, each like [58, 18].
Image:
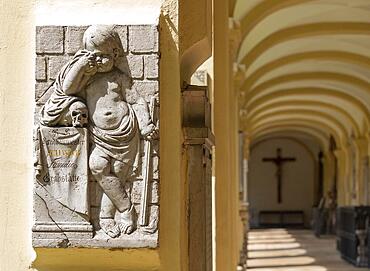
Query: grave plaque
[96, 136]
[61, 189]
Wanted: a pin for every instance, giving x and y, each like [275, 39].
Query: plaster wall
[298, 181]
[80, 12]
[18, 19]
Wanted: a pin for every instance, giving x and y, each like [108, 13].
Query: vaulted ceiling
[307, 67]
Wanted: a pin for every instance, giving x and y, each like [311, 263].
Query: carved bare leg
[127, 218]
[106, 217]
[100, 168]
[113, 188]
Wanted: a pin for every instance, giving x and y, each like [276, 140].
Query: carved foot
[109, 226]
[127, 224]
[126, 228]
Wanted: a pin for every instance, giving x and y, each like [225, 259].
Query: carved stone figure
[92, 91]
[115, 128]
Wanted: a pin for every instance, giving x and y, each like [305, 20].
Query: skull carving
[79, 114]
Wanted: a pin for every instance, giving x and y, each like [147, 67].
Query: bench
[281, 219]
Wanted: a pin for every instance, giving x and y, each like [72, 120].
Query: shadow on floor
[293, 250]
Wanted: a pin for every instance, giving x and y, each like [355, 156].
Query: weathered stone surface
[137, 190]
[123, 34]
[100, 82]
[49, 39]
[199, 174]
[95, 193]
[199, 78]
[55, 64]
[155, 168]
[135, 240]
[136, 65]
[40, 72]
[146, 89]
[74, 36]
[143, 39]
[40, 89]
[151, 64]
[60, 190]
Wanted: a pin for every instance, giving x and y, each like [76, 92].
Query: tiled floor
[293, 250]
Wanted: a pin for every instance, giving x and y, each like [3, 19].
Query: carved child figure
[115, 126]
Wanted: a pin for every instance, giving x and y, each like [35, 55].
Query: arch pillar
[329, 171]
[343, 197]
[228, 222]
[363, 170]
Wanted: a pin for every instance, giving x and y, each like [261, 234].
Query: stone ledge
[100, 241]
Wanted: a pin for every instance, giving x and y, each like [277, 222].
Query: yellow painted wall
[17, 46]
[16, 117]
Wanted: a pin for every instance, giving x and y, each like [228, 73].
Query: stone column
[243, 211]
[239, 75]
[366, 180]
[329, 171]
[199, 141]
[363, 170]
[342, 191]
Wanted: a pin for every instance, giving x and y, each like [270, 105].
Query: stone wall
[56, 45]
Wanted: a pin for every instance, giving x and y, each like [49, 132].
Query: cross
[279, 161]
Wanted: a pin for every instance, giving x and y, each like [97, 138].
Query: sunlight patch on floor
[272, 246]
[277, 253]
[267, 241]
[293, 250]
[292, 268]
[285, 261]
[269, 237]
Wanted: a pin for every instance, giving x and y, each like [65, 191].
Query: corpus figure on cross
[279, 161]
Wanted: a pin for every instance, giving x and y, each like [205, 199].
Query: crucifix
[279, 161]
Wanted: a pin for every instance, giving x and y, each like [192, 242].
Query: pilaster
[199, 141]
[340, 154]
[363, 170]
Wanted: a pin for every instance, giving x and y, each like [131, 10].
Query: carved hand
[153, 134]
[88, 62]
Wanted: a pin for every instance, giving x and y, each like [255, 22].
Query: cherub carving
[94, 79]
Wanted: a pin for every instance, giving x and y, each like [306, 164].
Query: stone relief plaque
[96, 136]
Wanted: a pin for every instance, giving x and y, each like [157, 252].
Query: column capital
[246, 146]
[339, 153]
[243, 117]
[235, 37]
[239, 75]
[362, 144]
